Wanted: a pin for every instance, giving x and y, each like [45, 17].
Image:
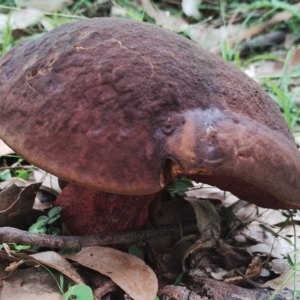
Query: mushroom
[119, 109]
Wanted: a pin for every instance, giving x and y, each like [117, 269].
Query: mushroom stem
[86, 211]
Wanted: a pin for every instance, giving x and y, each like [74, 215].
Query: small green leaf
[178, 278]
[268, 229]
[38, 227]
[81, 291]
[23, 174]
[136, 252]
[54, 230]
[61, 281]
[43, 218]
[179, 187]
[53, 219]
[5, 175]
[69, 250]
[290, 261]
[55, 211]
[21, 247]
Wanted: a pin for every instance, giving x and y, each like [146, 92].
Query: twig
[255, 284]
[17, 167]
[12, 235]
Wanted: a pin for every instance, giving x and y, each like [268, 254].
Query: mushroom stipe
[121, 108]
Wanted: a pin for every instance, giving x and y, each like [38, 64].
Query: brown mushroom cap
[125, 107]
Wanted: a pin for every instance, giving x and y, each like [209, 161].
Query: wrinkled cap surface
[125, 107]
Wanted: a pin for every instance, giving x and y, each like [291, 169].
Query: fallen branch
[12, 235]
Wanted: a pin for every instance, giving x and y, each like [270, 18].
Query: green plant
[43, 223]
[179, 187]
[136, 251]
[79, 292]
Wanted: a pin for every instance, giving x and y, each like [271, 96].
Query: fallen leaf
[59, 263]
[46, 6]
[4, 149]
[50, 187]
[190, 8]
[20, 19]
[290, 230]
[205, 191]
[276, 68]
[164, 18]
[279, 266]
[209, 37]
[208, 220]
[50, 182]
[203, 246]
[245, 211]
[14, 265]
[127, 271]
[16, 205]
[285, 280]
[268, 244]
[270, 216]
[14, 288]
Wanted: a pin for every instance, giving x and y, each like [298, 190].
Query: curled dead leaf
[59, 263]
[16, 205]
[127, 271]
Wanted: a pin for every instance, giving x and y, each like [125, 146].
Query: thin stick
[17, 167]
[12, 235]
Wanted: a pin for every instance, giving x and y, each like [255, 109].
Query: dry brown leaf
[285, 280]
[206, 191]
[20, 19]
[275, 68]
[13, 266]
[290, 230]
[200, 245]
[13, 289]
[4, 149]
[127, 271]
[50, 182]
[8, 198]
[50, 185]
[59, 263]
[208, 220]
[46, 6]
[18, 181]
[279, 266]
[245, 211]
[208, 36]
[267, 243]
[190, 8]
[270, 216]
[164, 18]
[16, 204]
